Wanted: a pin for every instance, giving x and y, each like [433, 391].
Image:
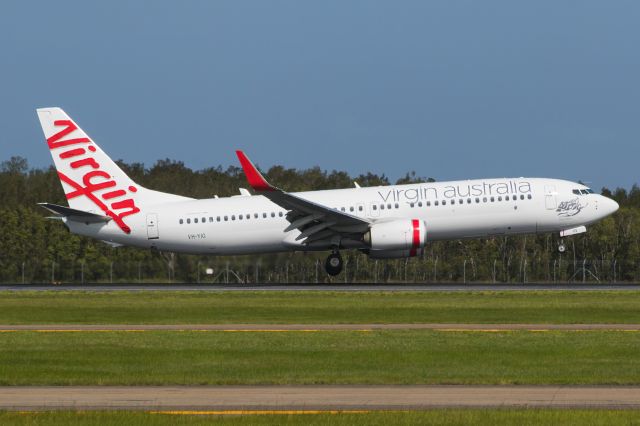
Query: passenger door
[550, 197]
[152, 226]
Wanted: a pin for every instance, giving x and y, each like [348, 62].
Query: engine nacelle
[396, 239]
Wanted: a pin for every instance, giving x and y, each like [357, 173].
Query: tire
[333, 264]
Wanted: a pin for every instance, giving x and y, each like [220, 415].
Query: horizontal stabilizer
[73, 214]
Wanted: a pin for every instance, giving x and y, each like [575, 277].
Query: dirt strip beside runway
[313, 397]
[315, 327]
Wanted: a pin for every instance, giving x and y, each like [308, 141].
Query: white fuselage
[451, 210]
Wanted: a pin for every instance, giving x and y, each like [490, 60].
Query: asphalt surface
[313, 397]
[315, 327]
[322, 287]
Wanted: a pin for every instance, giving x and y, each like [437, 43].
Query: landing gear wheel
[333, 264]
[562, 248]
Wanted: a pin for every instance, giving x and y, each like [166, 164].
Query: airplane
[383, 222]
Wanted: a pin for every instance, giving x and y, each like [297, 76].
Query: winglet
[255, 179]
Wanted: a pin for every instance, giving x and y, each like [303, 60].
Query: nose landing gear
[333, 264]
[561, 247]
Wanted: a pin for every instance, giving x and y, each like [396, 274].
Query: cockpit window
[583, 191]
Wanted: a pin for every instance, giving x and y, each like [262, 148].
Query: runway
[321, 287]
[220, 398]
[4, 328]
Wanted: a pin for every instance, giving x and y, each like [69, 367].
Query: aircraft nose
[609, 206]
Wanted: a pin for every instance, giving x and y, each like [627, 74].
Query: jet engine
[396, 239]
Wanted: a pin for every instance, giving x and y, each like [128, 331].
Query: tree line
[35, 249]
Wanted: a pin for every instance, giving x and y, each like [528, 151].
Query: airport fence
[305, 268]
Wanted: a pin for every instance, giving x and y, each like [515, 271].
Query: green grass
[192, 307]
[489, 417]
[327, 357]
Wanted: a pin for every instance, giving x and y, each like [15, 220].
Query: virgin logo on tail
[93, 180]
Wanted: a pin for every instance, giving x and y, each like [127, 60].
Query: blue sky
[450, 89]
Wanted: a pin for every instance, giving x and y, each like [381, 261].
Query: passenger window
[218, 218]
[280, 214]
[375, 207]
[233, 217]
[397, 206]
[264, 215]
[273, 214]
[240, 217]
[411, 205]
[188, 220]
[484, 199]
[468, 200]
[444, 202]
[210, 219]
[477, 200]
[493, 199]
[181, 221]
[248, 216]
[435, 203]
[460, 201]
[529, 196]
[351, 209]
[499, 198]
[389, 206]
[255, 215]
[360, 208]
[204, 220]
[195, 220]
[341, 208]
[521, 197]
[381, 206]
[226, 218]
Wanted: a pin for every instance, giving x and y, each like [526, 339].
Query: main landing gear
[333, 264]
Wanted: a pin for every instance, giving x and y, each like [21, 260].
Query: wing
[316, 222]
